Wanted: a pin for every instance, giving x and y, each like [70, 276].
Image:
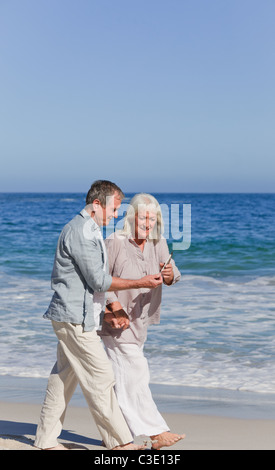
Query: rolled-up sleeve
[87, 254]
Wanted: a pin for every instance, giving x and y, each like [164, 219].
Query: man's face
[103, 215]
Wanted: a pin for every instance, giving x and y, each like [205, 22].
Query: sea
[214, 350]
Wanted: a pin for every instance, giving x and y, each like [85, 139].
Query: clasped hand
[118, 318]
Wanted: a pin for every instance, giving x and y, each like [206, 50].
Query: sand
[18, 425]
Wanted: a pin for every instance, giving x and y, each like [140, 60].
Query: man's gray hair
[101, 189]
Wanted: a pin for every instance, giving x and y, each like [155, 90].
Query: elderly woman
[137, 250]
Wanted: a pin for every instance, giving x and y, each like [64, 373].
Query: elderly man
[80, 278]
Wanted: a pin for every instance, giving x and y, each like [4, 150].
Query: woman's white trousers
[132, 388]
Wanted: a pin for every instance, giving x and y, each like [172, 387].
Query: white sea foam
[27, 343]
[217, 334]
[214, 333]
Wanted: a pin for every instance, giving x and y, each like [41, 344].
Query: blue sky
[156, 95]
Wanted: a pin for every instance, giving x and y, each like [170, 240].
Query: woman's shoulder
[161, 249]
[161, 244]
[117, 238]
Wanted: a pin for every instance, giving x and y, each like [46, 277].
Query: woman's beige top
[127, 261]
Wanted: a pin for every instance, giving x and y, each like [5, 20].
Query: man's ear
[96, 205]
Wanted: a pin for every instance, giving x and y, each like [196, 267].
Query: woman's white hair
[141, 202]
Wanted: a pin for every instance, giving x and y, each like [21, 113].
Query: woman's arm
[167, 274]
[171, 274]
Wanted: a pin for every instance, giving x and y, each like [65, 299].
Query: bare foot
[129, 446]
[165, 439]
[58, 447]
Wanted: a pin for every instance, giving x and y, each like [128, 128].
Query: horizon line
[135, 192]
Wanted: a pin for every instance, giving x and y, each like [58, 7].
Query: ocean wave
[68, 199]
[195, 371]
[213, 333]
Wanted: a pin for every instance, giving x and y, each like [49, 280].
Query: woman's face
[145, 221]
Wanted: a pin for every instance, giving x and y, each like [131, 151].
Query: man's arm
[86, 254]
[151, 281]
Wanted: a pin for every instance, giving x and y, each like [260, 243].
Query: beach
[18, 425]
[211, 419]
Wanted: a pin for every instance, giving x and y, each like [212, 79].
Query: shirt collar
[86, 215]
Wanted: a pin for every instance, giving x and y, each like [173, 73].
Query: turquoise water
[217, 328]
